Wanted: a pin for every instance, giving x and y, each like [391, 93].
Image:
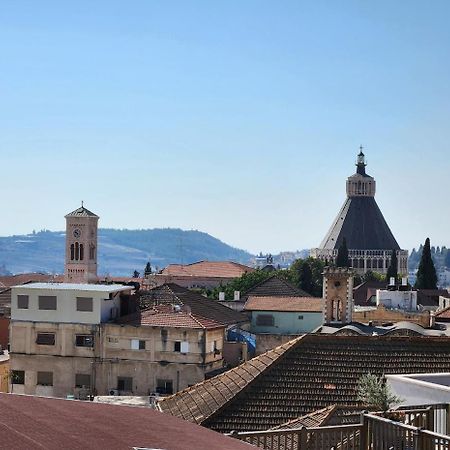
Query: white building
[397, 299]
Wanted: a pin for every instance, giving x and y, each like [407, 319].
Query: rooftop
[284, 304]
[29, 422]
[166, 316]
[76, 287]
[309, 373]
[275, 287]
[171, 293]
[81, 212]
[214, 269]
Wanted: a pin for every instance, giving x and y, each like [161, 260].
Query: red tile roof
[443, 314]
[166, 316]
[284, 304]
[215, 269]
[28, 422]
[24, 278]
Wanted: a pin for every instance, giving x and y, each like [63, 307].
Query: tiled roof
[309, 373]
[197, 403]
[215, 269]
[284, 304]
[168, 317]
[274, 287]
[25, 278]
[28, 422]
[315, 419]
[171, 294]
[81, 212]
[430, 297]
[443, 314]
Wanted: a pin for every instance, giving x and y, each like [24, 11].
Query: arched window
[81, 252]
[77, 251]
[92, 252]
[72, 252]
[336, 310]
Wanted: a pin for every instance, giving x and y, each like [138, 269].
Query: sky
[238, 118]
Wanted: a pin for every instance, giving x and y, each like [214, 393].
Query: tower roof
[81, 212]
[362, 224]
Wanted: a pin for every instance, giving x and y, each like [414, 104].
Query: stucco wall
[287, 322]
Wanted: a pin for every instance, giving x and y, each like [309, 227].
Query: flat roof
[76, 287]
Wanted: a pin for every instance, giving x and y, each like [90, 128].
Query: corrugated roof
[77, 287]
[315, 419]
[214, 269]
[310, 373]
[284, 304]
[29, 422]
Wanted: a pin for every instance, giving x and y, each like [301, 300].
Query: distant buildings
[369, 240]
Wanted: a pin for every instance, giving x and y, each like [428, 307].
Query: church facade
[369, 239]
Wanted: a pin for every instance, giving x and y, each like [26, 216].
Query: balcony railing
[373, 433]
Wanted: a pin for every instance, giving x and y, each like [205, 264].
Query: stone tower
[81, 246]
[370, 241]
[338, 295]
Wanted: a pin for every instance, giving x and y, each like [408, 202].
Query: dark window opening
[22, 301]
[266, 320]
[18, 377]
[177, 346]
[82, 380]
[47, 302]
[125, 384]
[81, 252]
[45, 339]
[85, 304]
[164, 387]
[45, 378]
[84, 340]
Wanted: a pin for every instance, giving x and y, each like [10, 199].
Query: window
[81, 252]
[137, 344]
[164, 387]
[45, 378]
[47, 302]
[185, 347]
[177, 346]
[84, 340]
[164, 335]
[22, 301]
[45, 338]
[300, 317]
[18, 377]
[266, 320]
[85, 304]
[181, 346]
[125, 384]
[82, 380]
[92, 252]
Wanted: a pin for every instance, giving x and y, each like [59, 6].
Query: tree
[136, 274]
[342, 256]
[426, 274]
[148, 269]
[376, 393]
[305, 277]
[447, 259]
[392, 269]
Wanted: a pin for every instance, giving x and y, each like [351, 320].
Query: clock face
[76, 233]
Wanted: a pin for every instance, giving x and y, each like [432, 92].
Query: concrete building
[69, 339]
[370, 241]
[405, 300]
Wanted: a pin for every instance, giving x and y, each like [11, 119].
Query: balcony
[421, 428]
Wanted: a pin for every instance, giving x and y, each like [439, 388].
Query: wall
[381, 315]
[405, 300]
[4, 373]
[265, 342]
[66, 305]
[287, 322]
[4, 332]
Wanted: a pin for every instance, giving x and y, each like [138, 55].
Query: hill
[120, 251]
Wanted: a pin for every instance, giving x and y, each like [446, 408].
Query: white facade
[66, 303]
[404, 300]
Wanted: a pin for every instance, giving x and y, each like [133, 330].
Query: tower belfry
[370, 241]
[81, 246]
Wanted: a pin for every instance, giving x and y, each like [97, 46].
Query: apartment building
[70, 339]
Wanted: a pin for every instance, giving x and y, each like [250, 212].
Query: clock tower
[81, 246]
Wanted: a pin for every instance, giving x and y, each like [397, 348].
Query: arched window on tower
[81, 252]
[77, 251]
[336, 310]
[92, 251]
[72, 252]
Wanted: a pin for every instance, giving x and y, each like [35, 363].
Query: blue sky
[241, 119]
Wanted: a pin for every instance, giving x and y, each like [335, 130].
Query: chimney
[237, 295]
[392, 281]
[404, 281]
[221, 296]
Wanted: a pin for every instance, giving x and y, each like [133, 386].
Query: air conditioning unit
[114, 392]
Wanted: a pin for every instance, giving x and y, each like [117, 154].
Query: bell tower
[81, 246]
[338, 295]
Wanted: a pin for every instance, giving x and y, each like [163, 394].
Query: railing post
[303, 439]
[447, 422]
[417, 439]
[364, 431]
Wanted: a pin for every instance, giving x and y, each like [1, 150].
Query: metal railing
[414, 431]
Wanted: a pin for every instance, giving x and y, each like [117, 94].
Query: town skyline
[245, 127]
